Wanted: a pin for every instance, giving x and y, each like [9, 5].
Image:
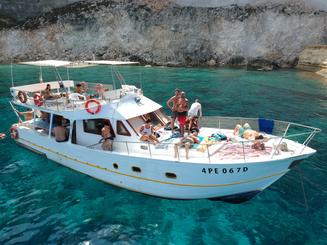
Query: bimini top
[111, 62]
[55, 63]
[60, 63]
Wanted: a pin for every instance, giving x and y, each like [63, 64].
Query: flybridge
[62, 95]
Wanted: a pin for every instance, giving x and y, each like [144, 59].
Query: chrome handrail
[285, 125]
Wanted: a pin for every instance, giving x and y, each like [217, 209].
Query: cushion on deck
[266, 125]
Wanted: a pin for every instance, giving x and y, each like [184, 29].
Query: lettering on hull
[224, 170]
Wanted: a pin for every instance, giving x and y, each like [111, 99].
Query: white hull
[193, 181]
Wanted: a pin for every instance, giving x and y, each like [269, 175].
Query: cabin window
[155, 121]
[136, 169]
[94, 126]
[171, 175]
[121, 129]
[115, 165]
[163, 117]
[136, 123]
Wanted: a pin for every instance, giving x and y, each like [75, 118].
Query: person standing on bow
[172, 103]
[196, 109]
[182, 109]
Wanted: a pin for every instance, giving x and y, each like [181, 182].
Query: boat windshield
[158, 120]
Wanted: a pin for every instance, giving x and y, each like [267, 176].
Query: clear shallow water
[43, 202]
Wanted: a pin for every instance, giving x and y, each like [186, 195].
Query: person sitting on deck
[47, 94]
[147, 133]
[107, 137]
[187, 142]
[60, 132]
[78, 95]
[192, 124]
[84, 87]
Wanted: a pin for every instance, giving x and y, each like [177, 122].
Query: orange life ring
[22, 96]
[38, 99]
[88, 109]
[14, 132]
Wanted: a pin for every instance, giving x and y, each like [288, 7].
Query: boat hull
[162, 178]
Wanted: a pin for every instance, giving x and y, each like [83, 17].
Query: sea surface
[42, 202]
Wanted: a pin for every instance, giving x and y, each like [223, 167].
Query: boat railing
[281, 129]
[241, 149]
[209, 150]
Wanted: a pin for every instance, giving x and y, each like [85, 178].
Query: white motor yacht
[223, 166]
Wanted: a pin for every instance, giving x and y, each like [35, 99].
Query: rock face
[20, 9]
[163, 33]
[314, 58]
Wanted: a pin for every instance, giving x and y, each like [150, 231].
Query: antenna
[41, 75]
[67, 73]
[12, 75]
[113, 78]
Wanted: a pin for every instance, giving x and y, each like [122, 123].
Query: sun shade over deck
[111, 62]
[59, 63]
[55, 63]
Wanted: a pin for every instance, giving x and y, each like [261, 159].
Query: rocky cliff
[164, 33]
[314, 58]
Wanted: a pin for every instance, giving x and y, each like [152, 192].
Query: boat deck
[235, 149]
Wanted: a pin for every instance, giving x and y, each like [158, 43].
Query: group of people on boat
[80, 92]
[186, 116]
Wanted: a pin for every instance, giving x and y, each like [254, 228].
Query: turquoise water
[42, 202]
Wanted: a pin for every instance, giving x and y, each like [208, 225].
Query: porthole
[136, 169]
[115, 165]
[171, 175]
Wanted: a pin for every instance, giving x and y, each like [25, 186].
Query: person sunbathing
[245, 132]
[187, 141]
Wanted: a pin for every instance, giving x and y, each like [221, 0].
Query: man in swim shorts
[172, 103]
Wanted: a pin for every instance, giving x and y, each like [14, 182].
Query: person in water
[147, 132]
[2, 136]
[107, 137]
[187, 141]
[172, 103]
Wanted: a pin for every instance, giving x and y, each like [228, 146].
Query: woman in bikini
[146, 131]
